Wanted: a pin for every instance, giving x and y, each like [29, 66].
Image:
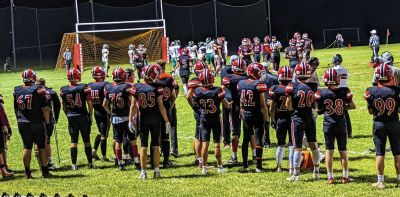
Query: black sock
[97, 142]
[1, 166]
[74, 154]
[45, 169]
[165, 147]
[103, 147]
[126, 147]
[245, 147]
[259, 152]
[88, 152]
[27, 170]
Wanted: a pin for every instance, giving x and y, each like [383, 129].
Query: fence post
[215, 18]
[38, 37]
[13, 34]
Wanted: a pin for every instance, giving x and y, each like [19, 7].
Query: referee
[374, 44]
[68, 58]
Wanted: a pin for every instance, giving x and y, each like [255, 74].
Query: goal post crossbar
[121, 22]
[357, 29]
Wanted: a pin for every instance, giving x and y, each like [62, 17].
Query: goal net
[118, 42]
[350, 35]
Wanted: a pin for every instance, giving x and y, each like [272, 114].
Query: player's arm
[189, 97]
[350, 103]
[288, 103]
[177, 66]
[161, 108]
[56, 106]
[264, 108]
[132, 108]
[272, 110]
[89, 102]
[351, 106]
[3, 119]
[226, 104]
[106, 106]
[173, 97]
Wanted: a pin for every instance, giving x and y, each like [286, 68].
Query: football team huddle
[253, 99]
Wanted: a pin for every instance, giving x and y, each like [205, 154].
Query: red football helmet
[28, 76]
[292, 42]
[206, 77]
[119, 74]
[303, 70]
[383, 72]
[245, 41]
[296, 35]
[199, 66]
[220, 40]
[98, 73]
[266, 38]
[331, 77]
[285, 73]
[74, 75]
[255, 70]
[151, 72]
[238, 66]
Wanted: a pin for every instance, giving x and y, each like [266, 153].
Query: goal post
[350, 34]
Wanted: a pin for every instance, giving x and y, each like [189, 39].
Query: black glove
[49, 128]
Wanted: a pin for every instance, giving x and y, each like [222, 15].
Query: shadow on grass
[189, 176]
[372, 157]
[361, 136]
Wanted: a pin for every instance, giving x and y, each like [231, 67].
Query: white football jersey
[343, 74]
[192, 51]
[131, 52]
[104, 56]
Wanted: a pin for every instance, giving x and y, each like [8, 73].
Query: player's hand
[222, 60]
[168, 127]
[132, 126]
[49, 127]
[9, 133]
[5, 130]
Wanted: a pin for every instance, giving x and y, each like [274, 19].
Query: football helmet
[239, 66]
[331, 77]
[244, 41]
[206, 77]
[105, 46]
[151, 72]
[296, 35]
[131, 46]
[292, 42]
[383, 72]
[387, 57]
[98, 73]
[119, 74]
[337, 59]
[208, 39]
[255, 70]
[256, 39]
[303, 70]
[184, 51]
[28, 76]
[285, 73]
[130, 75]
[200, 44]
[178, 42]
[191, 43]
[233, 58]
[305, 35]
[74, 75]
[273, 38]
[173, 43]
[266, 38]
[200, 66]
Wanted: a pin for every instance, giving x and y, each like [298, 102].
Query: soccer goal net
[350, 35]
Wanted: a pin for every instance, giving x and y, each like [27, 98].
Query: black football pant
[226, 126]
[252, 126]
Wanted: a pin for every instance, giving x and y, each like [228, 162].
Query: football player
[383, 102]
[266, 49]
[55, 107]
[281, 117]
[209, 99]
[119, 104]
[192, 85]
[219, 51]
[299, 44]
[332, 102]
[344, 78]
[5, 133]
[192, 50]
[258, 49]
[184, 64]
[100, 115]
[104, 57]
[75, 96]
[172, 54]
[168, 85]
[226, 129]
[210, 53]
[308, 46]
[131, 54]
[291, 54]
[245, 51]
[275, 46]
[152, 111]
[253, 109]
[31, 109]
[230, 82]
[300, 100]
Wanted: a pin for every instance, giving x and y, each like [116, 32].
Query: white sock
[254, 152]
[200, 159]
[316, 168]
[143, 171]
[156, 169]
[315, 156]
[279, 155]
[50, 159]
[381, 178]
[346, 173]
[398, 177]
[185, 90]
[234, 155]
[291, 153]
[136, 159]
[296, 159]
[330, 175]
[220, 166]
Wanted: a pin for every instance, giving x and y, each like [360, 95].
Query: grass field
[184, 179]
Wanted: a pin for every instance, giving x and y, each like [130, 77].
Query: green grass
[185, 180]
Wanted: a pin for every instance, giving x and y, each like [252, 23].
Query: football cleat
[90, 166]
[105, 159]
[157, 175]
[7, 175]
[221, 170]
[233, 160]
[74, 167]
[345, 180]
[168, 164]
[259, 170]
[293, 178]
[330, 181]
[379, 185]
[204, 170]
[143, 176]
[291, 171]
[95, 156]
[47, 175]
[278, 169]
[174, 153]
[316, 175]
[51, 166]
[227, 146]
[244, 170]
[121, 167]
[398, 184]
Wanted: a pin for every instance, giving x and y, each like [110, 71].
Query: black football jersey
[53, 98]
[28, 103]
[184, 66]
[384, 101]
[250, 91]
[97, 93]
[74, 98]
[291, 53]
[332, 103]
[165, 87]
[278, 95]
[118, 94]
[209, 101]
[146, 96]
[302, 98]
[231, 81]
